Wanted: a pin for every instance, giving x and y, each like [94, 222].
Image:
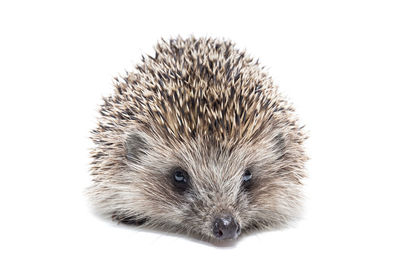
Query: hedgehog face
[205, 188]
[199, 141]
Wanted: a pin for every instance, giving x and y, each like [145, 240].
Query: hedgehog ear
[135, 146]
[279, 145]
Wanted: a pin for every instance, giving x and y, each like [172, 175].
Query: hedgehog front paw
[129, 220]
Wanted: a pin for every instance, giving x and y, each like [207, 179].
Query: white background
[338, 61]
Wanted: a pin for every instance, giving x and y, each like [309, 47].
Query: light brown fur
[206, 107]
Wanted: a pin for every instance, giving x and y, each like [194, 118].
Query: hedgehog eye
[180, 179]
[247, 176]
[247, 180]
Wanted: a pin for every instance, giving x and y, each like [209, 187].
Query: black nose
[225, 227]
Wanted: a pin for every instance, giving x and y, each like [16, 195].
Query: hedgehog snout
[226, 227]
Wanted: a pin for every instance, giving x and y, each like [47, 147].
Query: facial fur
[195, 133]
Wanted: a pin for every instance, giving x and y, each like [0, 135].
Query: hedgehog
[197, 140]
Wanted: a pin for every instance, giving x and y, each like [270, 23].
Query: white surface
[338, 62]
